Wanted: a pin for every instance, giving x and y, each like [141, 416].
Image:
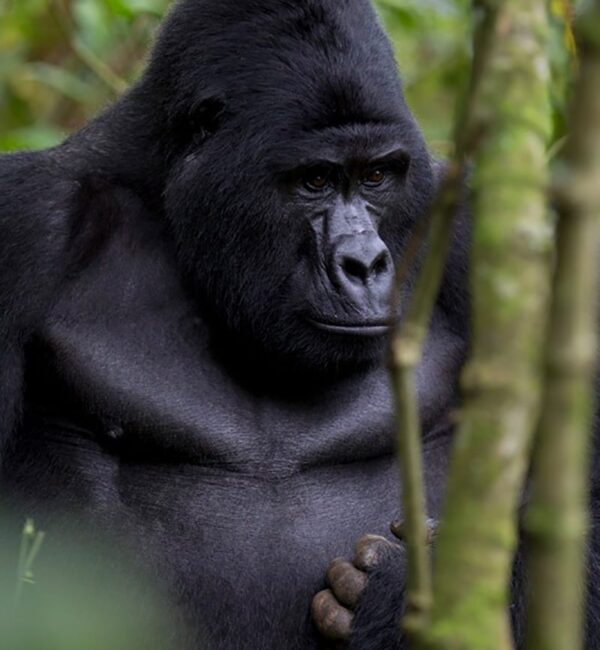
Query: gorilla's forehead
[319, 62]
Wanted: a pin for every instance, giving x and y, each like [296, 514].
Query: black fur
[171, 292]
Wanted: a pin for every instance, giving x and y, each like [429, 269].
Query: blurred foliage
[432, 43]
[62, 60]
[70, 598]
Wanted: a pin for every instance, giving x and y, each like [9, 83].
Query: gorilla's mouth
[365, 328]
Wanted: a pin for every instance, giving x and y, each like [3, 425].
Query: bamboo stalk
[556, 517]
[410, 335]
[510, 288]
[407, 347]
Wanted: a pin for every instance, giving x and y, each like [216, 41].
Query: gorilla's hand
[364, 602]
[361, 608]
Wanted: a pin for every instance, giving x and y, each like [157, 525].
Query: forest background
[61, 61]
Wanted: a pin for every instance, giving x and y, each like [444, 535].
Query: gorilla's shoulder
[51, 217]
[47, 206]
[34, 214]
[37, 199]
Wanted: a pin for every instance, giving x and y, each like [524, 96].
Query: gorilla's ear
[205, 115]
[198, 122]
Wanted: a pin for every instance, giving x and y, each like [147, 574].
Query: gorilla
[194, 297]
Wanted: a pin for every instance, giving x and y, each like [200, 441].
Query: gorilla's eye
[317, 180]
[374, 177]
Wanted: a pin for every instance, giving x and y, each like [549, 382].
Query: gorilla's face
[296, 172]
[293, 246]
[344, 277]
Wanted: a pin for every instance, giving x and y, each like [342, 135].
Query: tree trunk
[510, 285]
[556, 518]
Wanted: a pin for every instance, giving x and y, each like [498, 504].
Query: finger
[398, 528]
[369, 551]
[332, 619]
[346, 581]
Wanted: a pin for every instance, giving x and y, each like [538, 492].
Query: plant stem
[409, 339]
[31, 543]
[556, 519]
[512, 241]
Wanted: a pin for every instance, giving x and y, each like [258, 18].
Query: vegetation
[527, 399]
[68, 598]
[64, 59]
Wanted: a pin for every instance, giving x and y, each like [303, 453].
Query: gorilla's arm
[37, 214]
[593, 588]
[376, 618]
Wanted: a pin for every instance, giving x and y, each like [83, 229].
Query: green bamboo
[512, 240]
[407, 348]
[409, 338]
[557, 518]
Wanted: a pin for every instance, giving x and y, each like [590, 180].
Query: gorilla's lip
[365, 328]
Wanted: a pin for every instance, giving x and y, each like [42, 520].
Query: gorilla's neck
[262, 371]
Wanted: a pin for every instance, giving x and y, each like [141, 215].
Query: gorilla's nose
[364, 262]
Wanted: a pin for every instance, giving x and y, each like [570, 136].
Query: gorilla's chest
[126, 353]
[242, 551]
[151, 387]
[241, 499]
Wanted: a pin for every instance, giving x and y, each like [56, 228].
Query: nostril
[354, 269]
[380, 265]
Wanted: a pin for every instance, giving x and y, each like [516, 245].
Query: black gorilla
[193, 298]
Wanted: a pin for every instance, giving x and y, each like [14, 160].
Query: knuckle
[320, 603]
[331, 619]
[337, 569]
[369, 550]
